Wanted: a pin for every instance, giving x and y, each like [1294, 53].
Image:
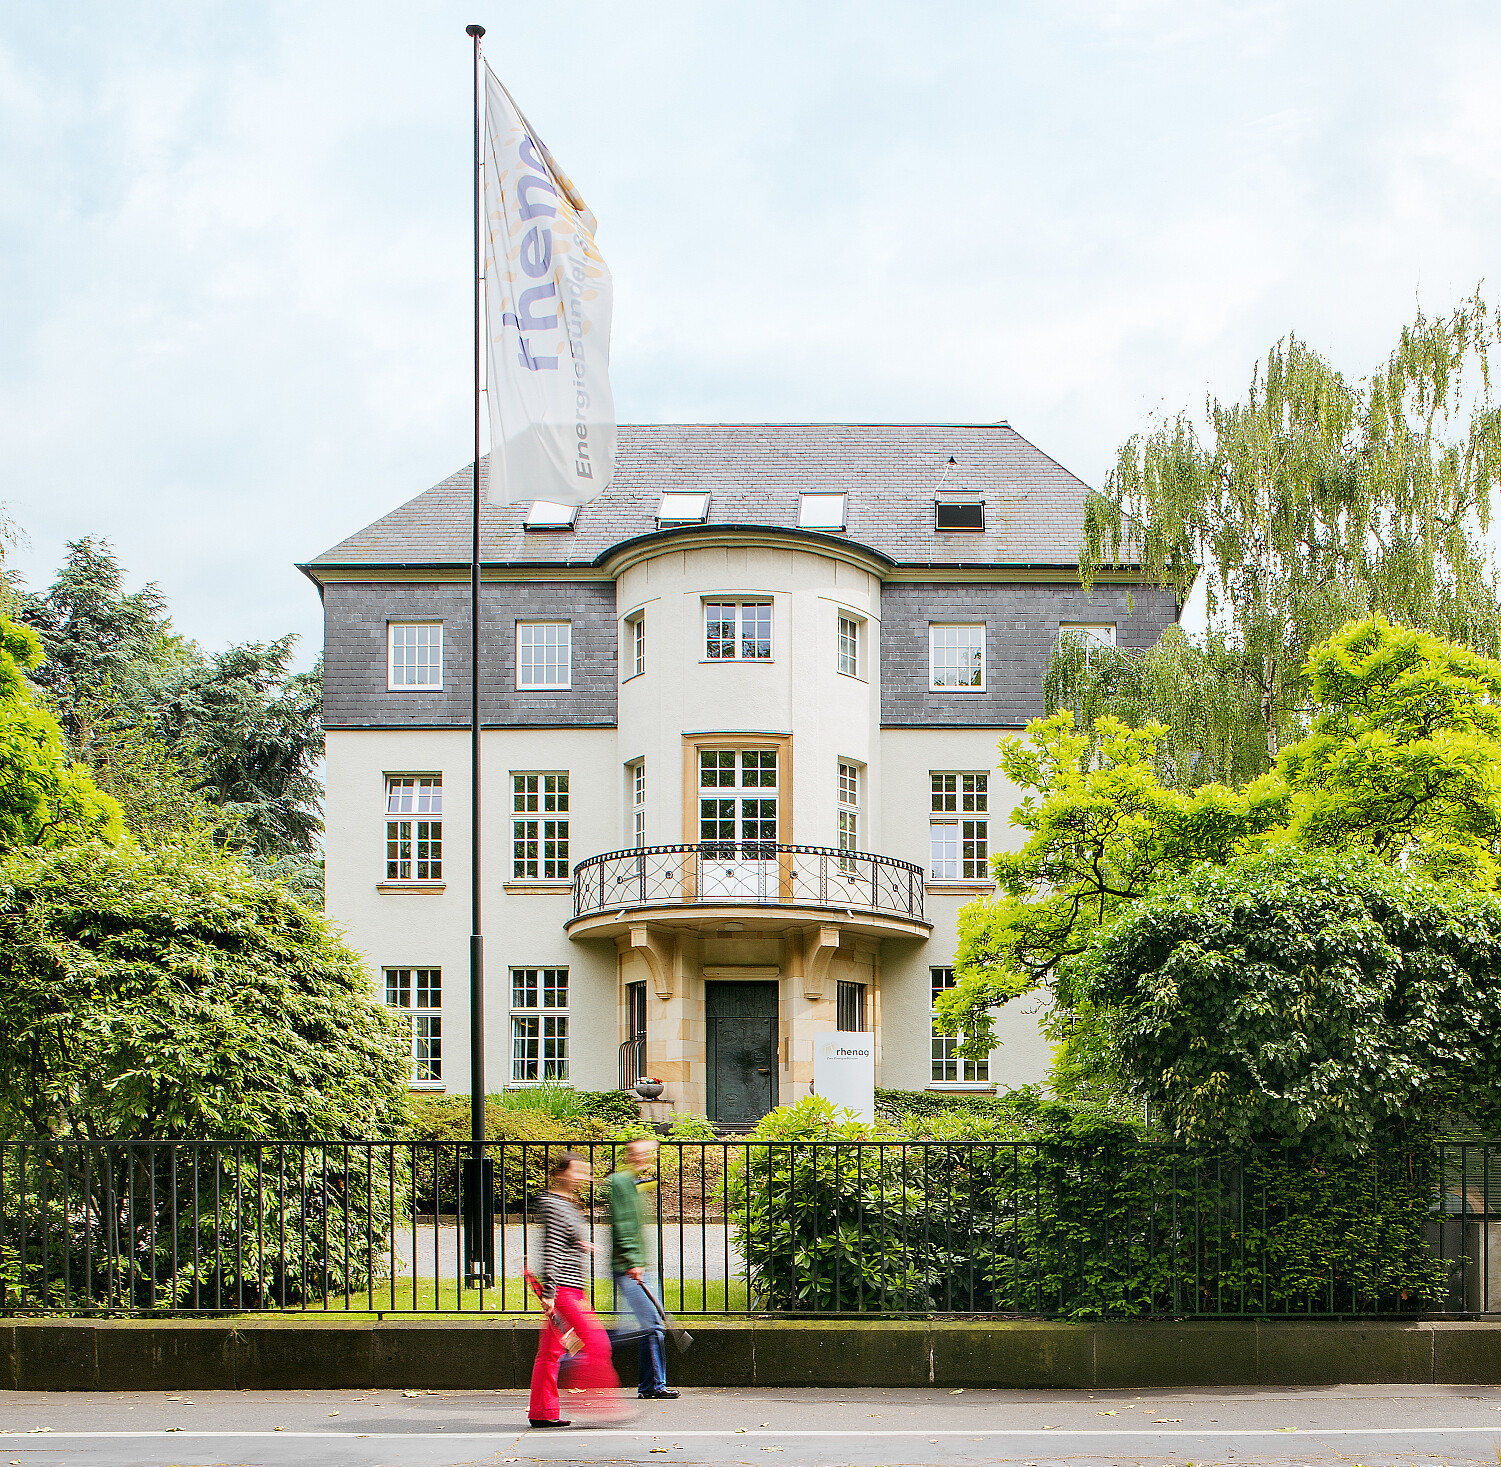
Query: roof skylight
[682, 508]
[544, 515]
[821, 512]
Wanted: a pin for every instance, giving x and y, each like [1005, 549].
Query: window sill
[631, 677]
[410, 888]
[958, 692]
[962, 1087]
[545, 688]
[414, 688]
[736, 661]
[944, 885]
[536, 888]
[428, 1086]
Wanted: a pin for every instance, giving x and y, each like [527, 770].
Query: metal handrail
[759, 873]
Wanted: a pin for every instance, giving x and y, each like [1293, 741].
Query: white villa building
[740, 722]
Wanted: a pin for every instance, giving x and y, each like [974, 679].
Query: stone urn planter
[650, 1089]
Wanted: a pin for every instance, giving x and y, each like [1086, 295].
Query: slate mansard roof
[754, 473]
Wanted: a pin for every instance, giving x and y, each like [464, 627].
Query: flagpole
[479, 1248]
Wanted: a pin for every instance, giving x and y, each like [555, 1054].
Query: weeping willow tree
[1313, 502]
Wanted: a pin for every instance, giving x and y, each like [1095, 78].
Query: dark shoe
[665, 1394]
[540, 1425]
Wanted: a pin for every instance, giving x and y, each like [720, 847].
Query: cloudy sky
[234, 238]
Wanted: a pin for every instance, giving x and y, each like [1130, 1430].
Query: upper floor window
[638, 803]
[849, 646]
[539, 810]
[820, 512]
[414, 827]
[960, 827]
[544, 654]
[1093, 634]
[679, 508]
[849, 806]
[415, 654]
[738, 631]
[956, 657]
[417, 994]
[634, 659]
[544, 515]
[959, 514]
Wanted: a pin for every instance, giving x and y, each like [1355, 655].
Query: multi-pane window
[849, 646]
[415, 654]
[956, 656]
[948, 1066]
[960, 828]
[737, 631]
[636, 632]
[737, 805]
[1093, 635]
[414, 827]
[544, 654]
[638, 804]
[539, 827]
[417, 994]
[849, 1008]
[849, 806]
[539, 1024]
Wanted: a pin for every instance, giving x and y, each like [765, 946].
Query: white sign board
[844, 1072]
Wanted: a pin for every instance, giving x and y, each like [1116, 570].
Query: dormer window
[680, 508]
[820, 512]
[544, 515]
[959, 514]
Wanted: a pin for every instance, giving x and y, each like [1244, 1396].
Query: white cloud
[234, 250]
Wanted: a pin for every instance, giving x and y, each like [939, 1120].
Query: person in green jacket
[635, 1286]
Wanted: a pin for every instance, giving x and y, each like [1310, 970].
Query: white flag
[547, 309]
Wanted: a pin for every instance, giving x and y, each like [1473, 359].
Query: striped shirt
[563, 1235]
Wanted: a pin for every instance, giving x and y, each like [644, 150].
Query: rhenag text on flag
[548, 298]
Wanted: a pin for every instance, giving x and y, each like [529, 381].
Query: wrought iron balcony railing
[753, 872]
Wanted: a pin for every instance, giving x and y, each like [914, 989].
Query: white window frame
[434, 655]
[563, 643]
[539, 1022]
[968, 1074]
[414, 801]
[546, 514]
[417, 994]
[1094, 633]
[637, 775]
[935, 631]
[538, 841]
[682, 507]
[633, 653]
[848, 781]
[849, 661]
[741, 604]
[813, 505]
[959, 822]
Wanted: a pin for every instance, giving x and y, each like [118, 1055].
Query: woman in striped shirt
[565, 1246]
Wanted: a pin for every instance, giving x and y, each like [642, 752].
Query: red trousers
[594, 1372]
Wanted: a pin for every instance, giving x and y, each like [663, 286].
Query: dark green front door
[742, 1024]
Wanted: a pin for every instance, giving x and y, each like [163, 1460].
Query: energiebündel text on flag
[547, 310]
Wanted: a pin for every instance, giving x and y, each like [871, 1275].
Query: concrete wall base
[303, 1354]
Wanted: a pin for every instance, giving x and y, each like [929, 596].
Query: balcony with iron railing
[761, 885]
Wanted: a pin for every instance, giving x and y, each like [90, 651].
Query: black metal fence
[1061, 1230]
[748, 871]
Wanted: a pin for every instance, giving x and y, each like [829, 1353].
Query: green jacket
[627, 1235]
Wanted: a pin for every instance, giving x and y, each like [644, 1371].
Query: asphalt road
[1371, 1425]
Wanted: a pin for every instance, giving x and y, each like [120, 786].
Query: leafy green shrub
[686, 1127]
[1081, 1218]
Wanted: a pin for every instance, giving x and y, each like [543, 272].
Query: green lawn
[510, 1296]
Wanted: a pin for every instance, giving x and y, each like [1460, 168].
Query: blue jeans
[633, 1296]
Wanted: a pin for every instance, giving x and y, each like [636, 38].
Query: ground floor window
[849, 1008]
[539, 1024]
[417, 994]
[948, 1065]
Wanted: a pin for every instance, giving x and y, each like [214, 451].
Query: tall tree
[1313, 501]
